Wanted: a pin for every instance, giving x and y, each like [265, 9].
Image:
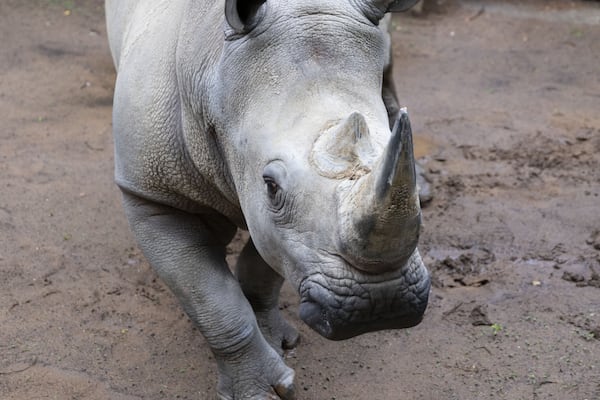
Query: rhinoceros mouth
[341, 308]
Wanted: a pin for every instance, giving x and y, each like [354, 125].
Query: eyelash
[272, 187]
[276, 195]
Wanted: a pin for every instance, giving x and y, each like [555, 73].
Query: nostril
[314, 315]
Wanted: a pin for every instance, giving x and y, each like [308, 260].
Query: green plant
[496, 328]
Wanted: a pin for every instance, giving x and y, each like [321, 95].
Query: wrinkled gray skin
[273, 118]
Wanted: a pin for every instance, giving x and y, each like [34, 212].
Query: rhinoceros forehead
[323, 27]
[340, 8]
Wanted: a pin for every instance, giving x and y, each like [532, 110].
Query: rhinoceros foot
[255, 372]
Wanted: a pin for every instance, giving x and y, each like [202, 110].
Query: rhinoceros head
[327, 190]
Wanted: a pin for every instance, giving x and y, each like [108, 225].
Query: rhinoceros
[278, 117]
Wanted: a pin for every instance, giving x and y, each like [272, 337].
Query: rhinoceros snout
[339, 309]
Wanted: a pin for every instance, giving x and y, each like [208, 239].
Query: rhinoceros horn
[380, 218]
[345, 149]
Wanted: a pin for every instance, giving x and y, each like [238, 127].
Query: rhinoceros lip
[326, 312]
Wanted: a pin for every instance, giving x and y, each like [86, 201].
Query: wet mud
[505, 105]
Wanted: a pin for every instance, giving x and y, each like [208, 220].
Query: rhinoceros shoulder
[154, 125]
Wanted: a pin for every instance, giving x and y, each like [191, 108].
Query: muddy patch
[504, 105]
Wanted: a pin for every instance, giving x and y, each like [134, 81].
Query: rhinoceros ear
[399, 5]
[243, 15]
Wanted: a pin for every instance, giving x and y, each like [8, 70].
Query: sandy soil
[505, 102]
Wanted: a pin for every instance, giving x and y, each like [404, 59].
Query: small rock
[479, 316]
[594, 240]
[573, 277]
[596, 332]
[594, 280]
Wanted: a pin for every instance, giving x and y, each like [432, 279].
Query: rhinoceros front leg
[188, 252]
[261, 285]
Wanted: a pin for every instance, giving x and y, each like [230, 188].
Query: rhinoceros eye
[274, 177]
[272, 187]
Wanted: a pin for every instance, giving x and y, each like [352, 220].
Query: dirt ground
[505, 104]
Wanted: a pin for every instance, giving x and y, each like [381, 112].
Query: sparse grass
[496, 328]
[587, 335]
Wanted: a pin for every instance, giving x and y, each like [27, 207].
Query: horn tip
[403, 116]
